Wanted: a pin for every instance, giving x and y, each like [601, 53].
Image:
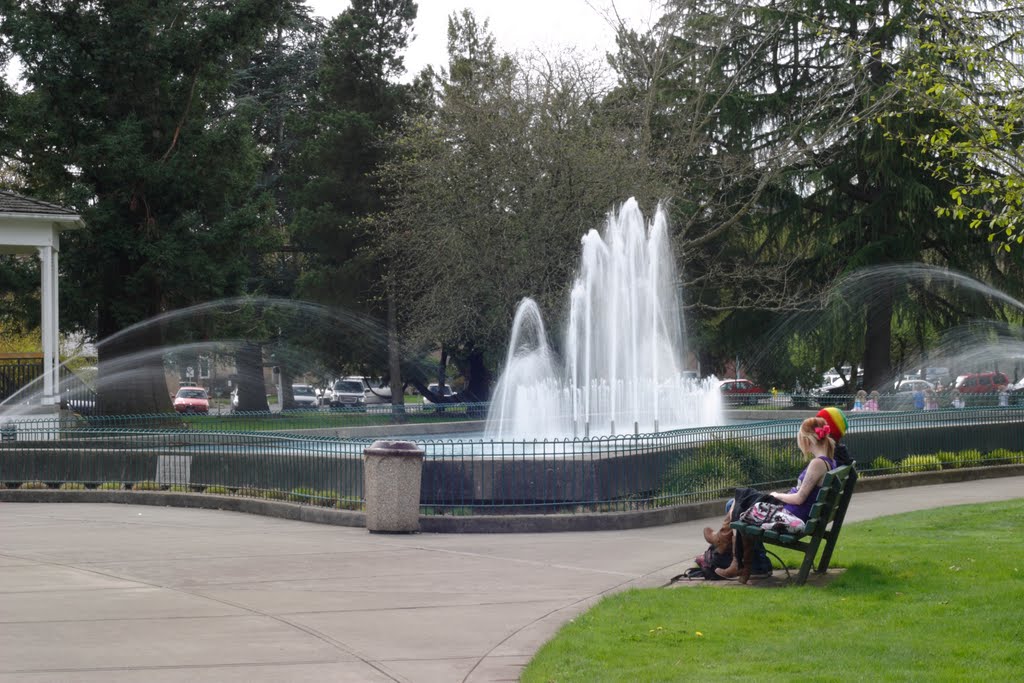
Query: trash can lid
[386, 447]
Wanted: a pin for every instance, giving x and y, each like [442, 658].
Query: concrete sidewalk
[100, 592]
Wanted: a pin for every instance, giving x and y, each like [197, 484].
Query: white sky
[517, 25]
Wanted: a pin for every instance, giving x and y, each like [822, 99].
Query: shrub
[222, 490]
[920, 463]
[351, 504]
[72, 486]
[970, 458]
[33, 485]
[274, 494]
[249, 492]
[110, 486]
[147, 485]
[709, 476]
[1005, 455]
[304, 494]
[883, 463]
[301, 494]
[178, 488]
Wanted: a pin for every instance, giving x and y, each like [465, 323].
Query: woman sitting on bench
[815, 441]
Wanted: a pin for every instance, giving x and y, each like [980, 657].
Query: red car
[192, 400]
[737, 391]
[982, 383]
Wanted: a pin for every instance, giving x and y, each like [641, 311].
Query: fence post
[392, 472]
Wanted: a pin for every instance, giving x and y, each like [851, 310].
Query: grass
[927, 596]
[321, 419]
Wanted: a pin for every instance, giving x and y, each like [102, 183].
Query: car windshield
[191, 393]
[302, 391]
[351, 387]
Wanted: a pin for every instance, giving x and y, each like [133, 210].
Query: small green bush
[708, 475]
[356, 504]
[1005, 455]
[110, 486]
[301, 494]
[970, 458]
[72, 486]
[222, 490]
[920, 463]
[304, 494]
[33, 485]
[883, 463]
[147, 485]
[178, 488]
[249, 492]
[274, 494]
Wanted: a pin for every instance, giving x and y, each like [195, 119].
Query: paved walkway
[114, 593]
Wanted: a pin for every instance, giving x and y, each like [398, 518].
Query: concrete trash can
[392, 471]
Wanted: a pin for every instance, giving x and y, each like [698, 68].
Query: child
[872, 403]
[860, 402]
[815, 440]
[930, 402]
[956, 400]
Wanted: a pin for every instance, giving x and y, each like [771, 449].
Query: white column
[49, 319]
[55, 322]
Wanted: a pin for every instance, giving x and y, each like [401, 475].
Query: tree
[793, 87]
[128, 119]
[509, 165]
[965, 72]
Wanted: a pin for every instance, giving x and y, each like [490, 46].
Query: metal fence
[633, 472]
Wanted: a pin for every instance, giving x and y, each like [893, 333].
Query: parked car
[305, 396]
[192, 400]
[909, 386]
[348, 392]
[435, 387]
[376, 395]
[981, 383]
[737, 391]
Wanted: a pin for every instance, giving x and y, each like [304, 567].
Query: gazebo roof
[12, 204]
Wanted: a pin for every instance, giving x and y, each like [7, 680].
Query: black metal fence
[478, 476]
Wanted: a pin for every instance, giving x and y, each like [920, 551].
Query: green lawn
[927, 596]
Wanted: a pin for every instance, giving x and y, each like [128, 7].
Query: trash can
[392, 471]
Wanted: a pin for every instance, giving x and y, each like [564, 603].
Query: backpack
[706, 565]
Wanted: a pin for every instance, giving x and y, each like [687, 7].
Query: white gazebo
[30, 226]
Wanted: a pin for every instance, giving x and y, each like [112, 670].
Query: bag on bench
[773, 517]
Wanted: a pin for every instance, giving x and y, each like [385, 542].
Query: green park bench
[823, 524]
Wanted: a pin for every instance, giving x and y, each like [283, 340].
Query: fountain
[622, 370]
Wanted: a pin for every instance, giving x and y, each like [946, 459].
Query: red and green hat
[836, 421]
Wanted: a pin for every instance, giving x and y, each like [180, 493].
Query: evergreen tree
[128, 119]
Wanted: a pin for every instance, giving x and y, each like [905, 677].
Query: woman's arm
[815, 474]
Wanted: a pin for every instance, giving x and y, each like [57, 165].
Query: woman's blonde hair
[816, 430]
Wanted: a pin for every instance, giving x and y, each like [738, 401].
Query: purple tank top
[803, 510]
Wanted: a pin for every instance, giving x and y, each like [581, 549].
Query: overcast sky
[517, 25]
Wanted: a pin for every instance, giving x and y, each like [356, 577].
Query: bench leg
[809, 555]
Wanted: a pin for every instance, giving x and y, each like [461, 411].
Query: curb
[476, 524]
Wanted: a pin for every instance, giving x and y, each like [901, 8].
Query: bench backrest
[836, 488]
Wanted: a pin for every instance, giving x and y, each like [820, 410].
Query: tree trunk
[252, 393]
[478, 385]
[878, 340]
[395, 360]
[130, 379]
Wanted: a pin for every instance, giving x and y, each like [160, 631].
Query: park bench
[823, 524]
